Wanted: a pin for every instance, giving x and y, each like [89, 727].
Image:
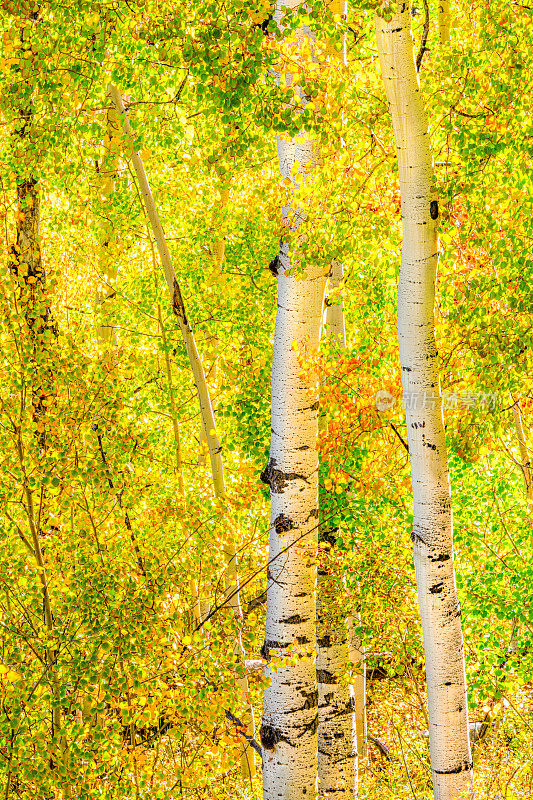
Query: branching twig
[383, 749]
[240, 729]
[400, 437]
[425, 33]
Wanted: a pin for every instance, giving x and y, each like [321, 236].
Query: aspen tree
[338, 749]
[444, 21]
[451, 761]
[218, 250]
[107, 173]
[290, 710]
[342, 721]
[206, 407]
[40, 334]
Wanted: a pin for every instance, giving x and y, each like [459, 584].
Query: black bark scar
[282, 524]
[177, 304]
[312, 726]
[311, 699]
[296, 619]
[415, 537]
[269, 645]
[274, 266]
[269, 736]
[276, 479]
[440, 557]
[324, 676]
[455, 770]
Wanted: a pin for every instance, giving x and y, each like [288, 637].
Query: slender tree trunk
[337, 739]
[444, 21]
[219, 239]
[342, 710]
[107, 173]
[206, 408]
[336, 325]
[335, 321]
[27, 264]
[219, 251]
[451, 761]
[357, 657]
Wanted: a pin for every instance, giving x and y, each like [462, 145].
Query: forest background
[118, 657]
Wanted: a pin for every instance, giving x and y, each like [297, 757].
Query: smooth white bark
[357, 657]
[337, 739]
[451, 761]
[107, 174]
[444, 21]
[208, 418]
[290, 710]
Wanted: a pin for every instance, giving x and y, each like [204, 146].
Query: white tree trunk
[290, 711]
[341, 716]
[107, 173]
[336, 325]
[357, 657]
[451, 762]
[444, 21]
[337, 740]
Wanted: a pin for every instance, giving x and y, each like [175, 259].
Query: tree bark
[290, 710]
[107, 173]
[342, 709]
[444, 21]
[451, 761]
[337, 739]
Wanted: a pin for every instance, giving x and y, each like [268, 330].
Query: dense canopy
[221, 224]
